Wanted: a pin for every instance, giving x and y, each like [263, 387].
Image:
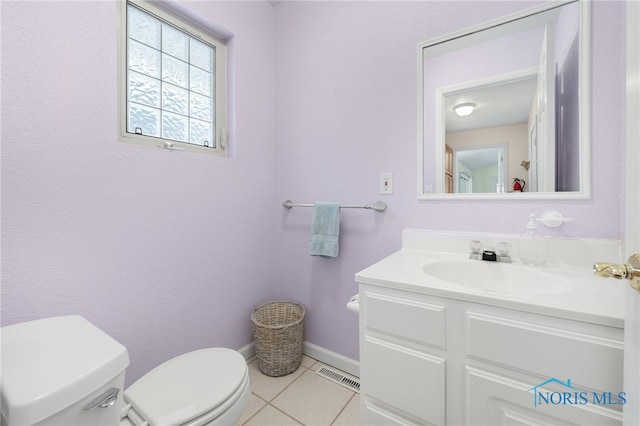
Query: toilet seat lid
[187, 386]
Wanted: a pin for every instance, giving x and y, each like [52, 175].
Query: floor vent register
[340, 378]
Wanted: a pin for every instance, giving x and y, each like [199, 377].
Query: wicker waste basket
[278, 328]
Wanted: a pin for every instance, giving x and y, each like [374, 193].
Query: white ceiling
[499, 105]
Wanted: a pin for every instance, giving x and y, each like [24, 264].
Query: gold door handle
[630, 271]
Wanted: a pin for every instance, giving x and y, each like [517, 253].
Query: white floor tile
[350, 416]
[270, 416]
[255, 404]
[313, 400]
[307, 361]
[267, 387]
[301, 398]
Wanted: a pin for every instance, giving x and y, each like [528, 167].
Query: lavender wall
[347, 111]
[170, 251]
[166, 251]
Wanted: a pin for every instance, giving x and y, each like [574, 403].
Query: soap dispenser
[532, 245]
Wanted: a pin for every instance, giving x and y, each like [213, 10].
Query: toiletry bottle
[532, 245]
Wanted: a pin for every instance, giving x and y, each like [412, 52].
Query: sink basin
[497, 277]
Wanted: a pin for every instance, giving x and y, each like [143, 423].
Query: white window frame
[220, 81]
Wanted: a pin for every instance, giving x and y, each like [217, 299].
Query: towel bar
[378, 206]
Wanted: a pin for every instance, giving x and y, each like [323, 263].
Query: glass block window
[174, 82]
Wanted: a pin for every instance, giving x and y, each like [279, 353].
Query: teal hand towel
[325, 229]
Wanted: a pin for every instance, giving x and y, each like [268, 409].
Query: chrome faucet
[476, 250]
[503, 252]
[489, 253]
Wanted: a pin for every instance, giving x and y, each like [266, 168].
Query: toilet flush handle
[105, 400]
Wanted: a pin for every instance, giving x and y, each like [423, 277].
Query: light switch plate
[386, 183]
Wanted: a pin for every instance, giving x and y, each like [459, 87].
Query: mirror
[523, 81]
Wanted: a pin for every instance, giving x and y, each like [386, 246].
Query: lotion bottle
[532, 245]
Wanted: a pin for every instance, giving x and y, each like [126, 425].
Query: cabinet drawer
[588, 360]
[406, 318]
[409, 380]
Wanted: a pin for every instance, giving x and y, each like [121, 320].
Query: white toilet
[64, 371]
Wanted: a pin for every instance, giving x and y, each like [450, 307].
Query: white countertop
[588, 298]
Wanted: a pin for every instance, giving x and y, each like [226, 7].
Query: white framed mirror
[524, 81]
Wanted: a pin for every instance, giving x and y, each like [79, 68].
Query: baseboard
[326, 356]
[248, 351]
[333, 359]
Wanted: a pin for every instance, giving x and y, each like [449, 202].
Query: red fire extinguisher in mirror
[518, 185]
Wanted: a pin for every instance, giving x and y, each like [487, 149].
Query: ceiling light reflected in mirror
[464, 109]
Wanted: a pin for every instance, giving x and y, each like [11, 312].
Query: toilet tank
[54, 370]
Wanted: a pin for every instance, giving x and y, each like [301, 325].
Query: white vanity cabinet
[439, 360]
[402, 362]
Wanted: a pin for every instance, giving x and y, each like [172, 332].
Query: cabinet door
[497, 400]
[375, 415]
[406, 379]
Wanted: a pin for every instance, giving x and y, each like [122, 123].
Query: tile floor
[300, 398]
